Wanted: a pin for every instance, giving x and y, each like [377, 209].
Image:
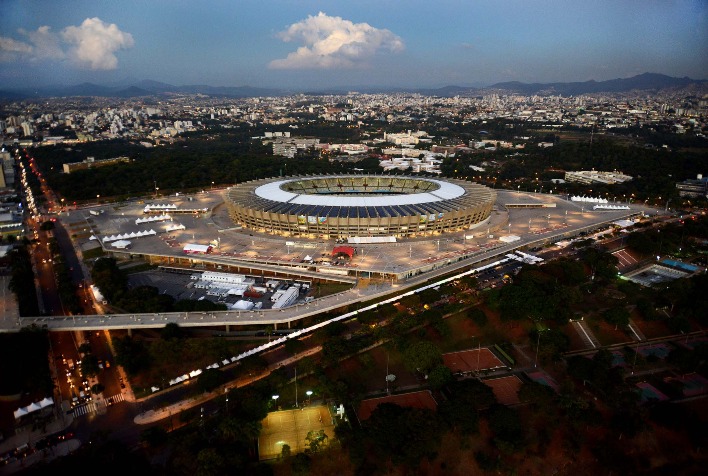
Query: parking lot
[180, 285]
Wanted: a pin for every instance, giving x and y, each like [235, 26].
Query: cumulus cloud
[92, 44]
[95, 42]
[45, 43]
[332, 42]
[14, 46]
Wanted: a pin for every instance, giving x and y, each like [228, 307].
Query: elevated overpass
[286, 316]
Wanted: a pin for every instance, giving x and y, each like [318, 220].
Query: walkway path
[586, 334]
[152, 416]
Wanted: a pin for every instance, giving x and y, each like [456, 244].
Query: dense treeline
[23, 363]
[190, 164]
[22, 281]
[65, 286]
[655, 171]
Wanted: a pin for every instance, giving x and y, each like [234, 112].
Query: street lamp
[275, 400]
[538, 343]
[309, 394]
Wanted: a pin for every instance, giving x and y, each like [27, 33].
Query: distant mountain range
[131, 88]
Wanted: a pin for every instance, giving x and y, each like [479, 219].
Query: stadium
[346, 206]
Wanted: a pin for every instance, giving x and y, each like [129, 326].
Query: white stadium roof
[446, 191]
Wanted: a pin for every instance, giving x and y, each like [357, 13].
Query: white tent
[121, 244]
[509, 238]
[242, 305]
[20, 412]
[48, 401]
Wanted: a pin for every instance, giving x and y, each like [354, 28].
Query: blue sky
[304, 44]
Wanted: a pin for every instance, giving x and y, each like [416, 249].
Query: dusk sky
[303, 44]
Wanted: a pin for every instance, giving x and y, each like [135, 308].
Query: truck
[252, 293]
[70, 364]
[192, 248]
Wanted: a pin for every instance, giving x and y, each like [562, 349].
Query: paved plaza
[402, 259]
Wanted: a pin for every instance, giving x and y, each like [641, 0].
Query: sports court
[660, 351]
[466, 361]
[506, 389]
[290, 427]
[625, 259]
[654, 274]
[690, 384]
[650, 393]
[544, 379]
[422, 399]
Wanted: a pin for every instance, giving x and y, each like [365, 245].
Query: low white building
[594, 176]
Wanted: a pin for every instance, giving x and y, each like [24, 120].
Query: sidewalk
[48, 454]
[152, 416]
[30, 438]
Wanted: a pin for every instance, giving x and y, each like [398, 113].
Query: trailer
[193, 248]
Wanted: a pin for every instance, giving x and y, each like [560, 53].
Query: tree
[294, 346]
[171, 331]
[551, 343]
[210, 463]
[406, 435]
[617, 316]
[285, 451]
[478, 316]
[539, 394]
[439, 376]
[387, 311]
[238, 429]
[316, 440]
[505, 424]
[132, 355]
[210, 379]
[469, 282]
[154, 436]
[422, 356]
[89, 365]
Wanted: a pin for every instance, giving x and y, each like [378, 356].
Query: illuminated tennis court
[290, 427]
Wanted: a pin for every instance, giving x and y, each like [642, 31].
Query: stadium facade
[344, 206]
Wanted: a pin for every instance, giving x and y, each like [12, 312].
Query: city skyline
[315, 44]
